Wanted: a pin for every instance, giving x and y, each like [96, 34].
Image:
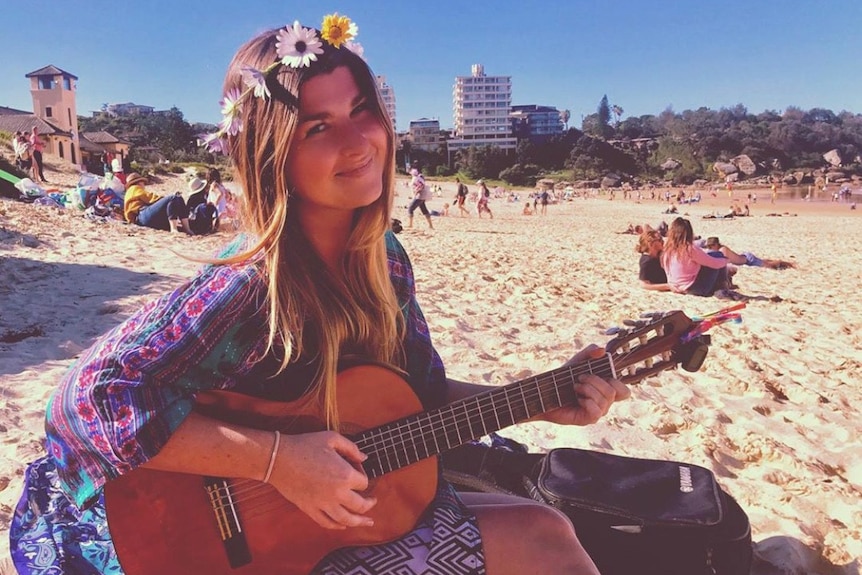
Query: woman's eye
[361, 107]
[315, 129]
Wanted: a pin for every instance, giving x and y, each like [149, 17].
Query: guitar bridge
[224, 509]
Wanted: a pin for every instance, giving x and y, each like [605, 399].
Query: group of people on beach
[199, 209]
[28, 148]
[685, 263]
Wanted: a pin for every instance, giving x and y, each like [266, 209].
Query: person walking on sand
[318, 280]
[484, 196]
[37, 146]
[461, 198]
[421, 193]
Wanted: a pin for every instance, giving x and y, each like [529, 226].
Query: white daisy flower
[356, 48]
[231, 106]
[254, 78]
[297, 46]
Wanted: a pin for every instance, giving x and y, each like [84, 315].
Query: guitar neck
[411, 439]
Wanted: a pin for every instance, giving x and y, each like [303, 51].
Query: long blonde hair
[312, 310]
[680, 240]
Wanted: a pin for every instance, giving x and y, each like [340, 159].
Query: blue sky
[645, 55]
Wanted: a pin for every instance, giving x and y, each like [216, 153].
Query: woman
[651, 275]
[220, 198]
[319, 278]
[484, 198]
[146, 208]
[689, 269]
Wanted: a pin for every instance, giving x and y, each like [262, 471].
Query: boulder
[790, 179]
[745, 164]
[670, 164]
[724, 168]
[835, 175]
[833, 157]
[611, 181]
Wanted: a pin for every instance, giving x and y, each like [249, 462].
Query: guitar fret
[539, 389]
[526, 406]
[413, 441]
[434, 437]
[469, 423]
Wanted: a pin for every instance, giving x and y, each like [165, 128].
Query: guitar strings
[246, 490]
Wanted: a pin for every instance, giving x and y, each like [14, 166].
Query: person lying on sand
[745, 258]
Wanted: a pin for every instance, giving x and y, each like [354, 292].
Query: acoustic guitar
[177, 523]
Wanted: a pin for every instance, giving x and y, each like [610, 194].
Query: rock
[611, 181]
[790, 179]
[835, 175]
[30, 241]
[670, 164]
[724, 168]
[732, 177]
[745, 164]
[833, 157]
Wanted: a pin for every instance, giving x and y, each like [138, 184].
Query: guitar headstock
[655, 343]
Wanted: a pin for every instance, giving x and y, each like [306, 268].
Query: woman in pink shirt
[689, 269]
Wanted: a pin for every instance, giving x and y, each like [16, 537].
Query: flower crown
[297, 47]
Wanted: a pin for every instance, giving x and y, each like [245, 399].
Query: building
[388, 95]
[55, 115]
[425, 135]
[535, 123]
[481, 106]
[126, 109]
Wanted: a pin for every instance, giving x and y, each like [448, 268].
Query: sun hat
[135, 178]
[116, 165]
[196, 185]
[480, 182]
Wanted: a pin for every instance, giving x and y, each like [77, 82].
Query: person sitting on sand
[745, 258]
[689, 269]
[651, 275]
[145, 208]
[528, 209]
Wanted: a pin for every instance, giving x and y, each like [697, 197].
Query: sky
[645, 55]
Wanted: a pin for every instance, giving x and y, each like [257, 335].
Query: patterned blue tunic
[121, 401]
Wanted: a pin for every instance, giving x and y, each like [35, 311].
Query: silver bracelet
[272, 456]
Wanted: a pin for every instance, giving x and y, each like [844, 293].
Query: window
[49, 113]
[67, 83]
[62, 153]
[69, 110]
[46, 82]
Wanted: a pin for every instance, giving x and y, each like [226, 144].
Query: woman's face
[337, 157]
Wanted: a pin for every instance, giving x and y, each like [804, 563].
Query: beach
[773, 412]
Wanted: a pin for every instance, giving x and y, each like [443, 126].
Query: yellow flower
[338, 29]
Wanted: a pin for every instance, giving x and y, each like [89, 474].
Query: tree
[604, 117]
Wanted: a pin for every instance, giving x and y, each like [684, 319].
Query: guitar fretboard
[411, 439]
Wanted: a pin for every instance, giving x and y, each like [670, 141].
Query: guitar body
[165, 523]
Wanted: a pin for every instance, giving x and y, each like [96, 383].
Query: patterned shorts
[445, 542]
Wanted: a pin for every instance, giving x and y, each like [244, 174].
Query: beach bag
[631, 515]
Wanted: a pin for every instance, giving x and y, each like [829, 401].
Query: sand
[774, 411]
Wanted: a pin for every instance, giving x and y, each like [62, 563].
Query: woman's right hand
[321, 474]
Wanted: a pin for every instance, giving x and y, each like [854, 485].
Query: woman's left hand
[595, 395]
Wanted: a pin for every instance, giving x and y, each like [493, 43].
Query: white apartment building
[388, 95]
[481, 106]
